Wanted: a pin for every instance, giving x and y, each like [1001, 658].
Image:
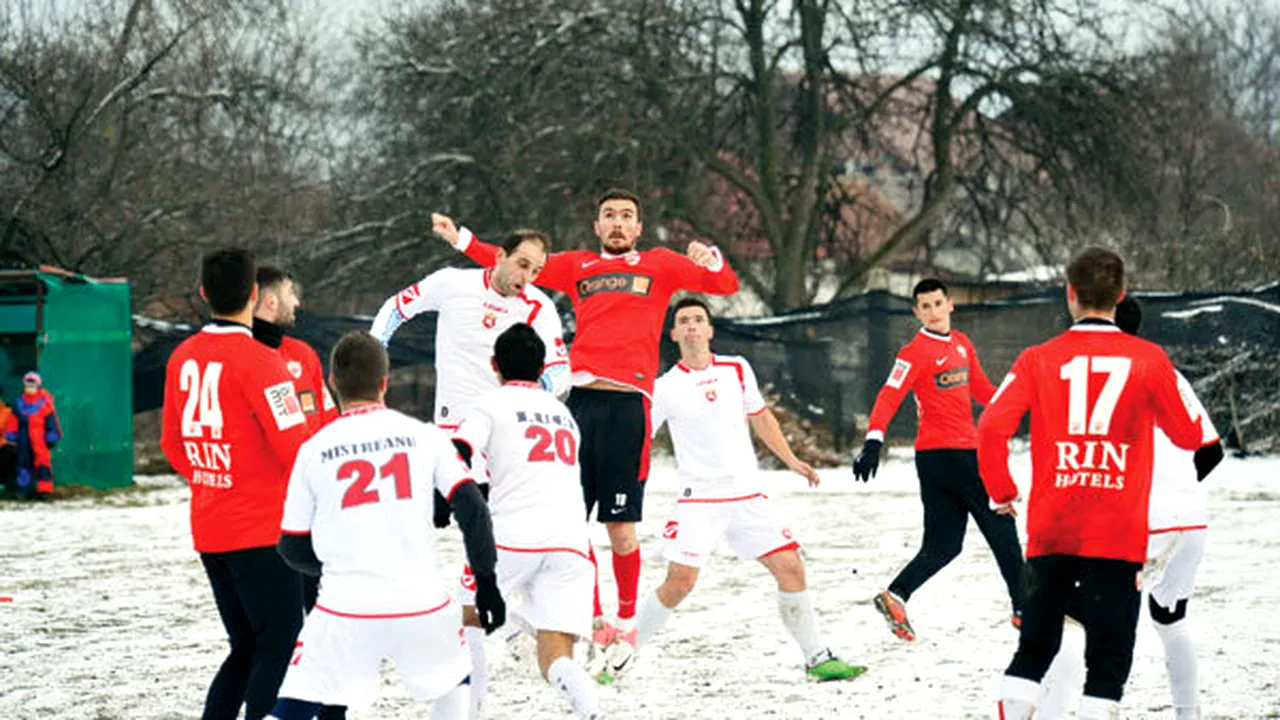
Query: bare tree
[134, 135]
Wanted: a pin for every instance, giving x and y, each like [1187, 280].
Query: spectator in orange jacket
[33, 427]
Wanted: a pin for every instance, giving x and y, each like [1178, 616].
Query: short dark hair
[1097, 274]
[1129, 315]
[269, 276]
[519, 353]
[357, 364]
[688, 302]
[227, 277]
[617, 193]
[520, 236]
[928, 285]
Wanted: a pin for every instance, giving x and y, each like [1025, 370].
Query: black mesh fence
[827, 363]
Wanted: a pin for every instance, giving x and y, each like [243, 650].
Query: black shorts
[614, 454]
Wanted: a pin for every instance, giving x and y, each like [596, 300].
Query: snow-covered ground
[111, 616]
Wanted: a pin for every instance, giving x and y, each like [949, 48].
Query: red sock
[626, 570]
[595, 567]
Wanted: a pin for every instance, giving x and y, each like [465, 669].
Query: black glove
[491, 609]
[440, 511]
[865, 464]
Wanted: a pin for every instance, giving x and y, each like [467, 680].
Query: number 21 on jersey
[1080, 420]
[363, 473]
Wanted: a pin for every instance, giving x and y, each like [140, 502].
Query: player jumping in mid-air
[708, 401]
[941, 367]
[1095, 395]
[357, 514]
[475, 306]
[620, 297]
[1179, 520]
[531, 442]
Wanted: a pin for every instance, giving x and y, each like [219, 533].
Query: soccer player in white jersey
[535, 498]
[708, 400]
[1178, 517]
[475, 305]
[356, 513]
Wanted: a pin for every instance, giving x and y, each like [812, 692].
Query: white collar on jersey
[1095, 327]
[226, 329]
[935, 336]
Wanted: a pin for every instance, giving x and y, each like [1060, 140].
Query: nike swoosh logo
[588, 263]
[941, 360]
[615, 511]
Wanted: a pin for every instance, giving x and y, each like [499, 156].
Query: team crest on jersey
[295, 368]
[561, 350]
[786, 533]
[963, 353]
[710, 395]
[490, 320]
[899, 373]
[671, 530]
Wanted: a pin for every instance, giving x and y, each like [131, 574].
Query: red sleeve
[997, 424]
[901, 378]
[268, 389]
[979, 386]
[1175, 414]
[560, 272]
[688, 275]
[170, 425]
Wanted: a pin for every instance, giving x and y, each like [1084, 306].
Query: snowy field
[111, 616]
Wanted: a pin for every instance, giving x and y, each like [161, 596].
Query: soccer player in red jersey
[275, 313]
[941, 367]
[232, 427]
[1095, 395]
[620, 297]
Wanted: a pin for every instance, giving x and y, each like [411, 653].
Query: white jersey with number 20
[530, 443]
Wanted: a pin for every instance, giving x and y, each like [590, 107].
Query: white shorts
[338, 658]
[1172, 561]
[750, 525]
[555, 588]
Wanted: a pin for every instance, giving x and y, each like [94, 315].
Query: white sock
[453, 705]
[1017, 697]
[652, 617]
[1180, 661]
[1095, 708]
[1062, 683]
[479, 671]
[797, 615]
[575, 685]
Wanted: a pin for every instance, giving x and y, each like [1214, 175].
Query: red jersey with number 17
[944, 373]
[619, 302]
[232, 427]
[1094, 393]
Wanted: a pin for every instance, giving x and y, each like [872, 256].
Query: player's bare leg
[626, 573]
[796, 610]
[555, 660]
[653, 615]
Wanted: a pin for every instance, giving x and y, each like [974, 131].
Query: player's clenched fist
[491, 609]
[443, 226]
[701, 254]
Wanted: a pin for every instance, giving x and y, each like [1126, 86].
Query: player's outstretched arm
[701, 269]
[766, 427]
[997, 424]
[980, 388]
[558, 274]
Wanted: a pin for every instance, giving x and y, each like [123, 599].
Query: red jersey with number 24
[619, 303]
[1093, 393]
[232, 427]
[944, 373]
